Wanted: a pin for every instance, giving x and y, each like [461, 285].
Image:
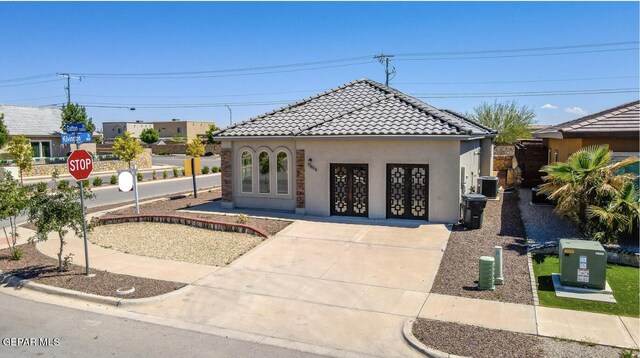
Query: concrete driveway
[340, 285]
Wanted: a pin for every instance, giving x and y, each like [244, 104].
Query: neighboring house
[42, 126]
[362, 149]
[112, 130]
[178, 128]
[619, 127]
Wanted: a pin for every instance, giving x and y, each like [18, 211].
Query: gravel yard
[174, 242]
[40, 268]
[542, 224]
[174, 205]
[472, 341]
[458, 271]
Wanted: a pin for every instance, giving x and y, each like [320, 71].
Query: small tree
[58, 212]
[149, 135]
[75, 113]
[511, 120]
[22, 153]
[195, 148]
[14, 200]
[212, 129]
[4, 132]
[127, 148]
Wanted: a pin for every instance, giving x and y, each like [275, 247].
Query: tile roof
[32, 121]
[621, 120]
[362, 107]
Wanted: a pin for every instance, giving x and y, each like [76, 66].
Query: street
[110, 195]
[177, 160]
[87, 334]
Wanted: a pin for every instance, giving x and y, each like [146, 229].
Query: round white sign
[125, 181]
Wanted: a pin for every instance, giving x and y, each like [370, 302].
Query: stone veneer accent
[183, 220]
[226, 176]
[300, 203]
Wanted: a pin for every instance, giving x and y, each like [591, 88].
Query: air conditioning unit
[583, 263]
[488, 186]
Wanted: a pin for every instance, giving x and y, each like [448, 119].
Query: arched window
[246, 166]
[282, 171]
[264, 172]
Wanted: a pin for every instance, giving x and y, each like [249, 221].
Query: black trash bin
[537, 198]
[474, 210]
[488, 186]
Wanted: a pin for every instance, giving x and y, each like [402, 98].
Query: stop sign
[80, 164]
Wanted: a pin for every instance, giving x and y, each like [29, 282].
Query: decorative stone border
[532, 276]
[183, 220]
[407, 333]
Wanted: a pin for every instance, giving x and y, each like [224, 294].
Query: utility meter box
[582, 263]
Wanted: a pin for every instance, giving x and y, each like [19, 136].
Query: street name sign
[77, 137]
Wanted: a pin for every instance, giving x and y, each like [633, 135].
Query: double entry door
[408, 191]
[349, 189]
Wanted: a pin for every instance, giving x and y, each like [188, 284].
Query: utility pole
[230, 116]
[68, 86]
[384, 59]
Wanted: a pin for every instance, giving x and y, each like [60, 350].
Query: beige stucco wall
[442, 156]
[470, 161]
[110, 129]
[187, 129]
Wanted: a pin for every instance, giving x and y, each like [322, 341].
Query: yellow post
[187, 166]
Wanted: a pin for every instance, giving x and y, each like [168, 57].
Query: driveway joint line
[629, 332]
[359, 243]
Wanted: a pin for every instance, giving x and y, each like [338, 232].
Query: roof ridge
[292, 105]
[28, 106]
[464, 117]
[342, 114]
[559, 127]
[420, 105]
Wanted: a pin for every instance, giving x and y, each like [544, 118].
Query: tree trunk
[60, 252]
[21, 181]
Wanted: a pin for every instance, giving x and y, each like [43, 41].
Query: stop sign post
[80, 166]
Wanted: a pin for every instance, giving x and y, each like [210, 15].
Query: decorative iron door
[408, 191]
[350, 189]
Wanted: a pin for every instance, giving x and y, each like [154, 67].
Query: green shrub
[175, 172]
[41, 187]
[164, 174]
[16, 253]
[113, 180]
[66, 262]
[153, 175]
[97, 181]
[182, 171]
[215, 169]
[63, 184]
[85, 183]
[205, 170]
[208, 154]
[140, 177]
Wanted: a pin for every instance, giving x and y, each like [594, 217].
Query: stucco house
[619, 127]
[42, 126]
[186, 129]
[361, 149]
[111, 130]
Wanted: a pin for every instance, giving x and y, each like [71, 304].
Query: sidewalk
[588, 327]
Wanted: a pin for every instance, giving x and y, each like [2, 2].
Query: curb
[407, 333]
[20, 283]
[532, 277]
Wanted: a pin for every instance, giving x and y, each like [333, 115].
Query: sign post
[80, 166]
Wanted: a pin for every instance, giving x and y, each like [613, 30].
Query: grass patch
[624, 282]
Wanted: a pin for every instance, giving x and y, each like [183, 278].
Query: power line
[527, 94]
[517, 55]
[203, 96]
[184, 105]
[517, 81]
[28, 78]
[548, 48]
[30, 83]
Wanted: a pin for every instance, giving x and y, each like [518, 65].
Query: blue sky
[111, 38]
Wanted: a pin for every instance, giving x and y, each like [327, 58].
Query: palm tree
[619, 215]
[586, 179]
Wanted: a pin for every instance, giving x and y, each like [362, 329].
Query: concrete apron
[346, 286]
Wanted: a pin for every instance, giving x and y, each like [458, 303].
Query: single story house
[111, 130]
[619, 127]
[361, 149]
[42, 126]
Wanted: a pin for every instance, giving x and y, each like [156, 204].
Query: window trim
[288, 172]
[40, 141]
[240, 166]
